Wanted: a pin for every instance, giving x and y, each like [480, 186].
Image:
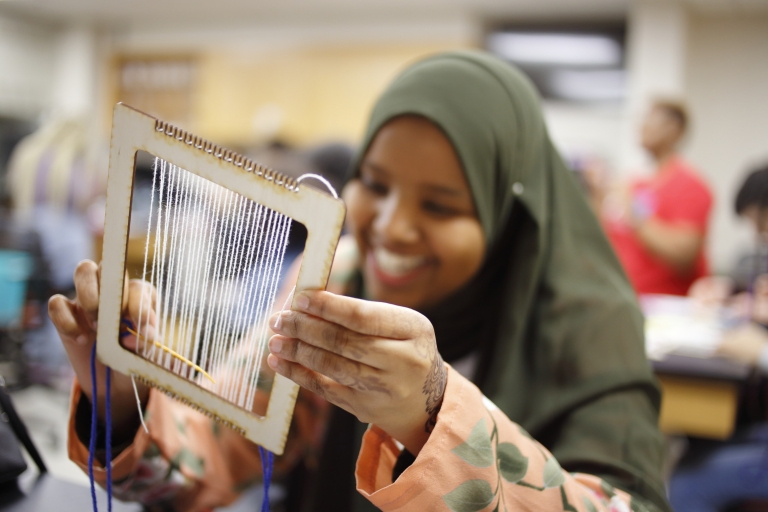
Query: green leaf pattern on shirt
[513, 465]
[189, 460]
[477, 449]
[553, 474]
[483, 450]
[471, 496]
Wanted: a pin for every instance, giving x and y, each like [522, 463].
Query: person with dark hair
[746, 289]
[752, 199]
[659, 235]
[749, 273]
[749, 279]
[752, 204]
[715, 475]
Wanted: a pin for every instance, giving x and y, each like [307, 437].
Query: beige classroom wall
[302, 95]
[727, 87]
[27, 54]
[297, 81]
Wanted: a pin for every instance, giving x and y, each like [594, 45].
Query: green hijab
[490, 113]
[551, 310]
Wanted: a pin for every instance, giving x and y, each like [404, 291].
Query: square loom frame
[320, 213]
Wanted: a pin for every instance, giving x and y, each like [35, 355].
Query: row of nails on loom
[226, 154]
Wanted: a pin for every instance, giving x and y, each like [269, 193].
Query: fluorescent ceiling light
[556, 49]
[588, 85]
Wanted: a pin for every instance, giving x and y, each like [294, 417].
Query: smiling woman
[471, 245]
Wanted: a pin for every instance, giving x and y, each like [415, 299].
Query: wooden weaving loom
[321, 214]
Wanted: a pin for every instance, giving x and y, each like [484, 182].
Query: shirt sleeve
[186, 459]
[478, 459]
[687, 201]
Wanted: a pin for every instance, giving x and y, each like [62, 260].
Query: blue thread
[128, 324]
[94, 423]
[267, 464]
[94, 432]
[108, 437]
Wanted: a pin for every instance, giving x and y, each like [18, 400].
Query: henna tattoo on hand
[360, 383]
[434, 388]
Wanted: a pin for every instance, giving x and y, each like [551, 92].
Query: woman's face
[413, 216]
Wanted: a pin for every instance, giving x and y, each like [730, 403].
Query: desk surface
[48, 493]
[702, 368]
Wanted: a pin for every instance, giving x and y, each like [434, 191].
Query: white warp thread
[216, 265]
[321, 180]
[138, 403]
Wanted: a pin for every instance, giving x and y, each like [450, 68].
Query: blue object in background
[15, 269]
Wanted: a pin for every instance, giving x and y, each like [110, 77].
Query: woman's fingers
[75, 321]
[63, 314]
[319, 384]
[87, 286]
[331, 337]
[377, 361]
[141, 307]
[347, 373]
[76, 336]
[366, 317]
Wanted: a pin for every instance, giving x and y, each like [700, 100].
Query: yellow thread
[174, 354]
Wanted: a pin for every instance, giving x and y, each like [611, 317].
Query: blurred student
[54, 177]
[745, 289]
[752, 204]
[714, 475]
[659, 235]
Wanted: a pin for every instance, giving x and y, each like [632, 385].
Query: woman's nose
[396, 221]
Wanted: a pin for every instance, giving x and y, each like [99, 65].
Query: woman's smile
[396, 270]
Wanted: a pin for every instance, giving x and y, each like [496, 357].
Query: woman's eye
[376, 187]
[438, 209]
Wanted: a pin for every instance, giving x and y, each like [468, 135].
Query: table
[45, 492]
[38, 493]
[700, 396]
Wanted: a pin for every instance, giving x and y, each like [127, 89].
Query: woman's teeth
[396, 264]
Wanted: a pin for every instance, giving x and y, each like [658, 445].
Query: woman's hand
[75, 320]
[377, 361]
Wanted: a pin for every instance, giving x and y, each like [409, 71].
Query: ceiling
[165, 11]
[124, 13]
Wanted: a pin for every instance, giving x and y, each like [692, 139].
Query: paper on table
[680, 325]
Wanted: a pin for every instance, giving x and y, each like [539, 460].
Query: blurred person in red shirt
[660, 229]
